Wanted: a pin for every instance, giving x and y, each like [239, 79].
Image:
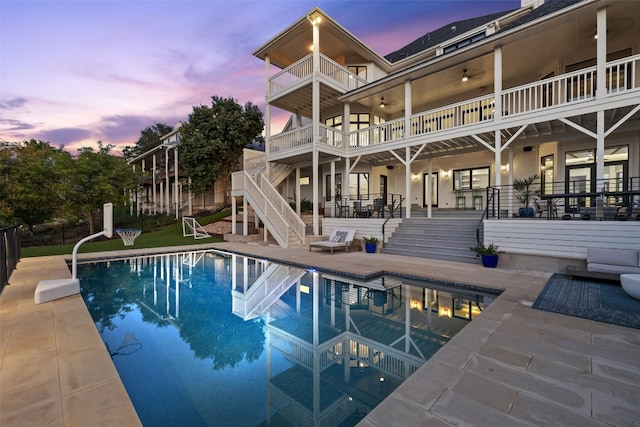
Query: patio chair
[338, 239]
[461, 200]
[361, 211]
[541, 208]
[378, 207]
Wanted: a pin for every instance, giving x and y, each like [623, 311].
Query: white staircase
[265, 291]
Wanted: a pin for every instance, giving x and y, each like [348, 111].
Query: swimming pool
[213, 339]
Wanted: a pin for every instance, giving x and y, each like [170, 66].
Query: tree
[149, 138]
[214, 137]
[31, 178]
[96, 178]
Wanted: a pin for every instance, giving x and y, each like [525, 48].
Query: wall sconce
[445, 174]
[444, 311]
[465, 76]
[504, 168]
[414, 177]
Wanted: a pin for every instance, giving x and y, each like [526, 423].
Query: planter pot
[370, 247]
[526, 212]
[490, 261]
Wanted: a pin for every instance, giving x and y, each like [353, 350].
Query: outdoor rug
[601, 301]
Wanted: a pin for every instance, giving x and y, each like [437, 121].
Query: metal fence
[53, 234]
[9, 252]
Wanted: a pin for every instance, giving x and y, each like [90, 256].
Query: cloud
[13, 104]
[125, 129]
[12, 125]
[64, 136]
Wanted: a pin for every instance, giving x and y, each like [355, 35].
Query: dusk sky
[76, 72]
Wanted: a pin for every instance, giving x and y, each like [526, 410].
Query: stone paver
[512, 366]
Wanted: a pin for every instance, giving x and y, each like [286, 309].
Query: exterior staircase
[444, 237]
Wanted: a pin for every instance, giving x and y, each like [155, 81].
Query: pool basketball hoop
[128, 235]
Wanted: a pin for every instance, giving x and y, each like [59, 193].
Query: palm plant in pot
[489, 254]
[523, 186]
[370, 244]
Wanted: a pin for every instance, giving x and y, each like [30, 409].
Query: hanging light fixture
[382, 102]
[465, 76]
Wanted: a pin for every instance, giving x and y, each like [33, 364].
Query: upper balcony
[291, 89]
[448, 127]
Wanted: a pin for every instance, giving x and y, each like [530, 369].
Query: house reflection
[351, 342]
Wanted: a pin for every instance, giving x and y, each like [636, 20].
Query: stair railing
[493, 197]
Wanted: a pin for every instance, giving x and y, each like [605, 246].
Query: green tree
[214, 137]
[149, 138]
[97, 177]
[31, 181]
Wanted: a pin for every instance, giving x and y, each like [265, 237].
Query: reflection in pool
[213, 339]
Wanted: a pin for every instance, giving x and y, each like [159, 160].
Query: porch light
[504, 168]
[465, 76]
[445, 174]
[382, 102]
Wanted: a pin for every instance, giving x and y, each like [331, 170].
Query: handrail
[292, 218]
[491, 199]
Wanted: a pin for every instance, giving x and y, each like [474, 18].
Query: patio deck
[513, 365]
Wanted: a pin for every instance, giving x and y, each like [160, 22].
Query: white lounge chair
[337, 240]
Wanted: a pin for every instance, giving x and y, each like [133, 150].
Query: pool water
[212, 339]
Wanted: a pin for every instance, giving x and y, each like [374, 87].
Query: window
[546, 174]
[465, 42]
[359, 186]
[359, 70]
[334, 122]
[471, 179]
[338, 186]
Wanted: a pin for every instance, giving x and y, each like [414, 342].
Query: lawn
[168, 236]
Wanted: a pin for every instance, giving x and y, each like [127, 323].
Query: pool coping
[519, 355]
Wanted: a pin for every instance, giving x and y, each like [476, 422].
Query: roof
[455, 29]
[442, 34]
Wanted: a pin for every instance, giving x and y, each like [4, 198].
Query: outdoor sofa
[608, 264]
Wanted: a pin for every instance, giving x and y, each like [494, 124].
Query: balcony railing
[304, 68]
[563, 90]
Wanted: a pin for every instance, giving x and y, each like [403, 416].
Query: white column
[332, 189]
[601, 90]
[298, 191]
[498, 158]
[167, 197]
[153, 180]
[234, 212]
[429, 186]
[497, 89]
[407, 109]
[175, 182]
[407, 181]
[316, 127]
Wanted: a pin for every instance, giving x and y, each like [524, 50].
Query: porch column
[298, 191]
[498, 158]
[407, 180]
[316, 126]
[245, 217]
[167, 185]
[153, 180]
[407, 109]
[267, 106]
[332, 187]
[497, 83]
[601, 90]
[175, 181]
[234, 212]
[429, 186]
[510, 181]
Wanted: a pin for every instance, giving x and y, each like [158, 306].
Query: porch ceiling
[298, 100]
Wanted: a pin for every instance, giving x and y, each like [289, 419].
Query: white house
[448, 122]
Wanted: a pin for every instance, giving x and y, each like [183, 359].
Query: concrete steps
[446, 239]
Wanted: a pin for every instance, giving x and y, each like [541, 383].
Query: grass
[167, 236]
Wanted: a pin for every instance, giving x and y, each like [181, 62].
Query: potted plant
[489, 254]
[523, 186]
[370, 244]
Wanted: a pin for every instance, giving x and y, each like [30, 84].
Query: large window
[359, 186]
[359, 70]
[546, 174]
[338, 186]
[471, 179]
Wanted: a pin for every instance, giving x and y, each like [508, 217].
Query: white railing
[295, 223]
[304, 68]
[341, 75]
[467, 112]
[266, 290]
[291, 75]
[295, 349]
[331, 136]
[295, 138]
[393, 362]
[388, 131]
[570, 87]
[243, 185]
[621, 75]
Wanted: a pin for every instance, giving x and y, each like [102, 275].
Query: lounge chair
[337, 240]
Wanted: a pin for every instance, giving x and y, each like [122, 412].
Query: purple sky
[76, 72]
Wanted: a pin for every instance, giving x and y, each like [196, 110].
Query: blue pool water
[212, 339]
